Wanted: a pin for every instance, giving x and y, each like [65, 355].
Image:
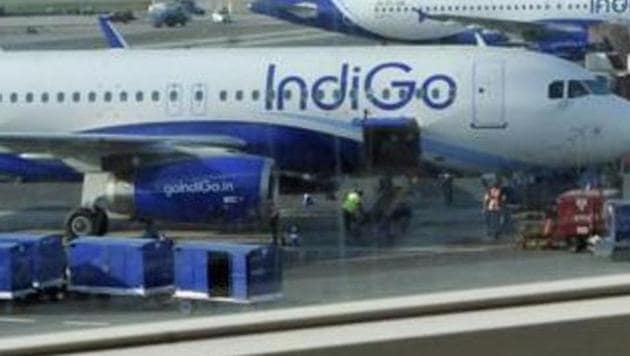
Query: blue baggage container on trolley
[47, 256]
[226, 272]
[616, 243]
[121, 266]
[15, 272]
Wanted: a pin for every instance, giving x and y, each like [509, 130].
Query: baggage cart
[226, 273]
[616, 241]
[121, 266]
[579, 216]
[47, 257]
[15, 272]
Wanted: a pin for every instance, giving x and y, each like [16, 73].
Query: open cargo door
[391, 145]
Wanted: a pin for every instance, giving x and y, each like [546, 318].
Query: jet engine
[196, 191]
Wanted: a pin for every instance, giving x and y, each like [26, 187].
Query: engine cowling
[198, 190]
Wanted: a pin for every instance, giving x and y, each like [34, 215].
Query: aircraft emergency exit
[196, 135]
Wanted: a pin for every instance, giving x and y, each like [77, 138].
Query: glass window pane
[556, 90]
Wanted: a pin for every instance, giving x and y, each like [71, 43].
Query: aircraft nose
[617, 123]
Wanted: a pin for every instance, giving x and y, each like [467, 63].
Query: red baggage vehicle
[580, 215]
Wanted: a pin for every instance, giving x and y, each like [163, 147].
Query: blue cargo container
[617, 214]
[120, 266]
[15, 271]
[47, 256]
[227, 272]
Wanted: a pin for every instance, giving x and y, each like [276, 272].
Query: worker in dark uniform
[446, 183]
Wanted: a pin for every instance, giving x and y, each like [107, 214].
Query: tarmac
[444, 249]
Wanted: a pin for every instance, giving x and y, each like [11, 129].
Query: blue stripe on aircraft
[302, 150]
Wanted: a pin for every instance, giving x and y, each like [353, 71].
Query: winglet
[112, 36]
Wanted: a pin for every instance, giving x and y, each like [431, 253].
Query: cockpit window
[577, 89]
[597, 86]
[556, 90]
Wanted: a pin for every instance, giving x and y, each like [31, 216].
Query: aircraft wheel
[81, 222]
[101, 221]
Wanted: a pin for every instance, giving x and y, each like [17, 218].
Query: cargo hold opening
[391, 145]
[219, 274]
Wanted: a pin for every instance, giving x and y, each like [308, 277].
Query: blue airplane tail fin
[112, 36]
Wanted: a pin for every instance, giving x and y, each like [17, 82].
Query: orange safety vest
[493, 199]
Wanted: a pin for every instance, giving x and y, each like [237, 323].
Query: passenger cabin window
[556, 90]
[76, 97]
[91, 97]
[123, 96]
[172, 95]
[198, 95]
[239, 95]
[139, 96]
[255, 95]
[577, 89]
[29, 97]
[108, 96]
[155, 95]
[223, 95]
[44, 97]
[14, 97]
[61, 97]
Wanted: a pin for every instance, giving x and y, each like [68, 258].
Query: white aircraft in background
[194, 135]
[555, 26]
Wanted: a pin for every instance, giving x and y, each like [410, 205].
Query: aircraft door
[489, 96]
[174, 99]
[198, 99]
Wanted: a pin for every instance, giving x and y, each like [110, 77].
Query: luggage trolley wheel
[161, 299]
[53, 294]
[187, 306]
[7, 306]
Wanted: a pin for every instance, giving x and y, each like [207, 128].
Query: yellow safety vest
[352, 202]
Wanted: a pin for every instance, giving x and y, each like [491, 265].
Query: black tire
[101, 221]
[80, 222]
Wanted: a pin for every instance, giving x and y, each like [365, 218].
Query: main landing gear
[85, 221]
[91, 217]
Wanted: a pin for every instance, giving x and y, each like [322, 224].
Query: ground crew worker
[446, 183]
[492, 207]
[351, 207]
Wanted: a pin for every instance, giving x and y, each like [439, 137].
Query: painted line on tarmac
[240, 39]
[85, 323]
[17, 320]
[406, 252]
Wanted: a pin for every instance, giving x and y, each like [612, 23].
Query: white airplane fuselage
[407, 20]
[478, 108]
[398, 20]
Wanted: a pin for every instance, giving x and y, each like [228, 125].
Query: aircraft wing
[85, 151]
[529, 31]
